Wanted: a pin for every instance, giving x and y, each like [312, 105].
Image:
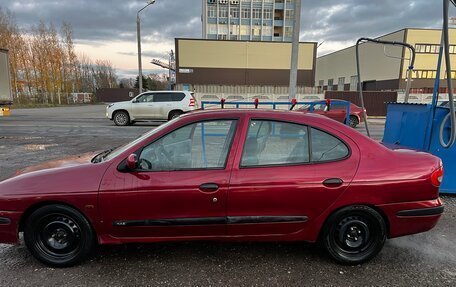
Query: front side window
[326, 147]
[203, 145]
[146, 98]
[275, 143]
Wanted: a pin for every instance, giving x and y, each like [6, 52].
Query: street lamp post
[138, 31]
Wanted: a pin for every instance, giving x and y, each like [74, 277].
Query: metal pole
[295, 51]
[138, 32]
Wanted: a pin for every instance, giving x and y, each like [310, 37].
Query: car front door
[143, 107]
[288, 174]
[179, 188]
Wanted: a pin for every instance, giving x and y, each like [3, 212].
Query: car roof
[263, 113]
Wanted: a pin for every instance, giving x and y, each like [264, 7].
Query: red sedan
[227, 175]
[337, 110]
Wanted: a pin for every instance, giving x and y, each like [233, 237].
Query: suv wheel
[121, 118]
[174, 114]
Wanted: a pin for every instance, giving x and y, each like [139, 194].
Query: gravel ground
[32, 136]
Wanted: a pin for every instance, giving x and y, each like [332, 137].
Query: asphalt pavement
[33, 136]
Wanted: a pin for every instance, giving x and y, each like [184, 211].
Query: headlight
[110, 105]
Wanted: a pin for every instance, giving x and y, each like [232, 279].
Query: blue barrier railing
[274, 105]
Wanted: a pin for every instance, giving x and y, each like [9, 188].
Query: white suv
[148, 106]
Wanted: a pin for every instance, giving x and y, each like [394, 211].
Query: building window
[245, 30]
[212, 11]
[223, 12]
[353, 83]
[256, 30]
[321, 84]
[289, 15]
[340, 84]
[453, 75]
[267, 31]
[267, 14]
[212, 28]
[432, 48]
[245, 13]
[256, 13]
[330, 84]
[424, 74]
[234, 12]
[288, 32]
[234, 29]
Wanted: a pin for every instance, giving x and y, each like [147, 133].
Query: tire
[354, 234]
[354, 122]
[174, 114]
[121, 118]
[59, 236]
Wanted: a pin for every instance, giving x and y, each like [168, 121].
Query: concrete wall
[374, 65]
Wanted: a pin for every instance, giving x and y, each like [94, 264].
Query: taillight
[437, 177]
[192, 102]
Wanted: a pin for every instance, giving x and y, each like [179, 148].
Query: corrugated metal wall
[375, 102]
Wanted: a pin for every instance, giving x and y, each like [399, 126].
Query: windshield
[123, 148]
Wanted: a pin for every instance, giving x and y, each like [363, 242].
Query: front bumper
[9, 223]
[407, 218]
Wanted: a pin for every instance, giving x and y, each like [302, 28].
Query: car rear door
[280, 184]
[163, 105]
[179, 188]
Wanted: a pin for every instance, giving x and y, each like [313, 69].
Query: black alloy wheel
[354, 234]
[59, 236]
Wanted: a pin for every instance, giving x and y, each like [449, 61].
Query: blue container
[415, 126]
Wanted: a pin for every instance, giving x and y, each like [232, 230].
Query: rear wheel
[121, 118]
[174, 114]
[354, 122]
[59, 235]
[354, 234]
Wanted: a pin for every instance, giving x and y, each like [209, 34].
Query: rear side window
[162, 97]
[177, 97]
[275, 143]
[326, 147]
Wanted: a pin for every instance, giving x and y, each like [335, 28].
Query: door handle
[333, 182]
[209, 187]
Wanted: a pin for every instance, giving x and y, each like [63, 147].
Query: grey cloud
[100, 21]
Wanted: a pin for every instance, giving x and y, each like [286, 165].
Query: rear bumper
[407, 218]
[9, 222]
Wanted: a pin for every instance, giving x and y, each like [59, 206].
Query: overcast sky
[106, 29]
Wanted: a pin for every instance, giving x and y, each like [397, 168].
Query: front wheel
[59, 235]
[354, 234]
[121, 118]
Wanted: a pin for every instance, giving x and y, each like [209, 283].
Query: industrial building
[242, 68]
[384, 68]
[252, 20]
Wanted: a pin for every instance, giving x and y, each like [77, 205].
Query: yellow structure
[385, 67]
[241, 63]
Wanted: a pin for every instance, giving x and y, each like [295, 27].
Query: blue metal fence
[275, 105]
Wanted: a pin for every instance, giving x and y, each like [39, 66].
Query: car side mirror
[132, 161]
[134, 101]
